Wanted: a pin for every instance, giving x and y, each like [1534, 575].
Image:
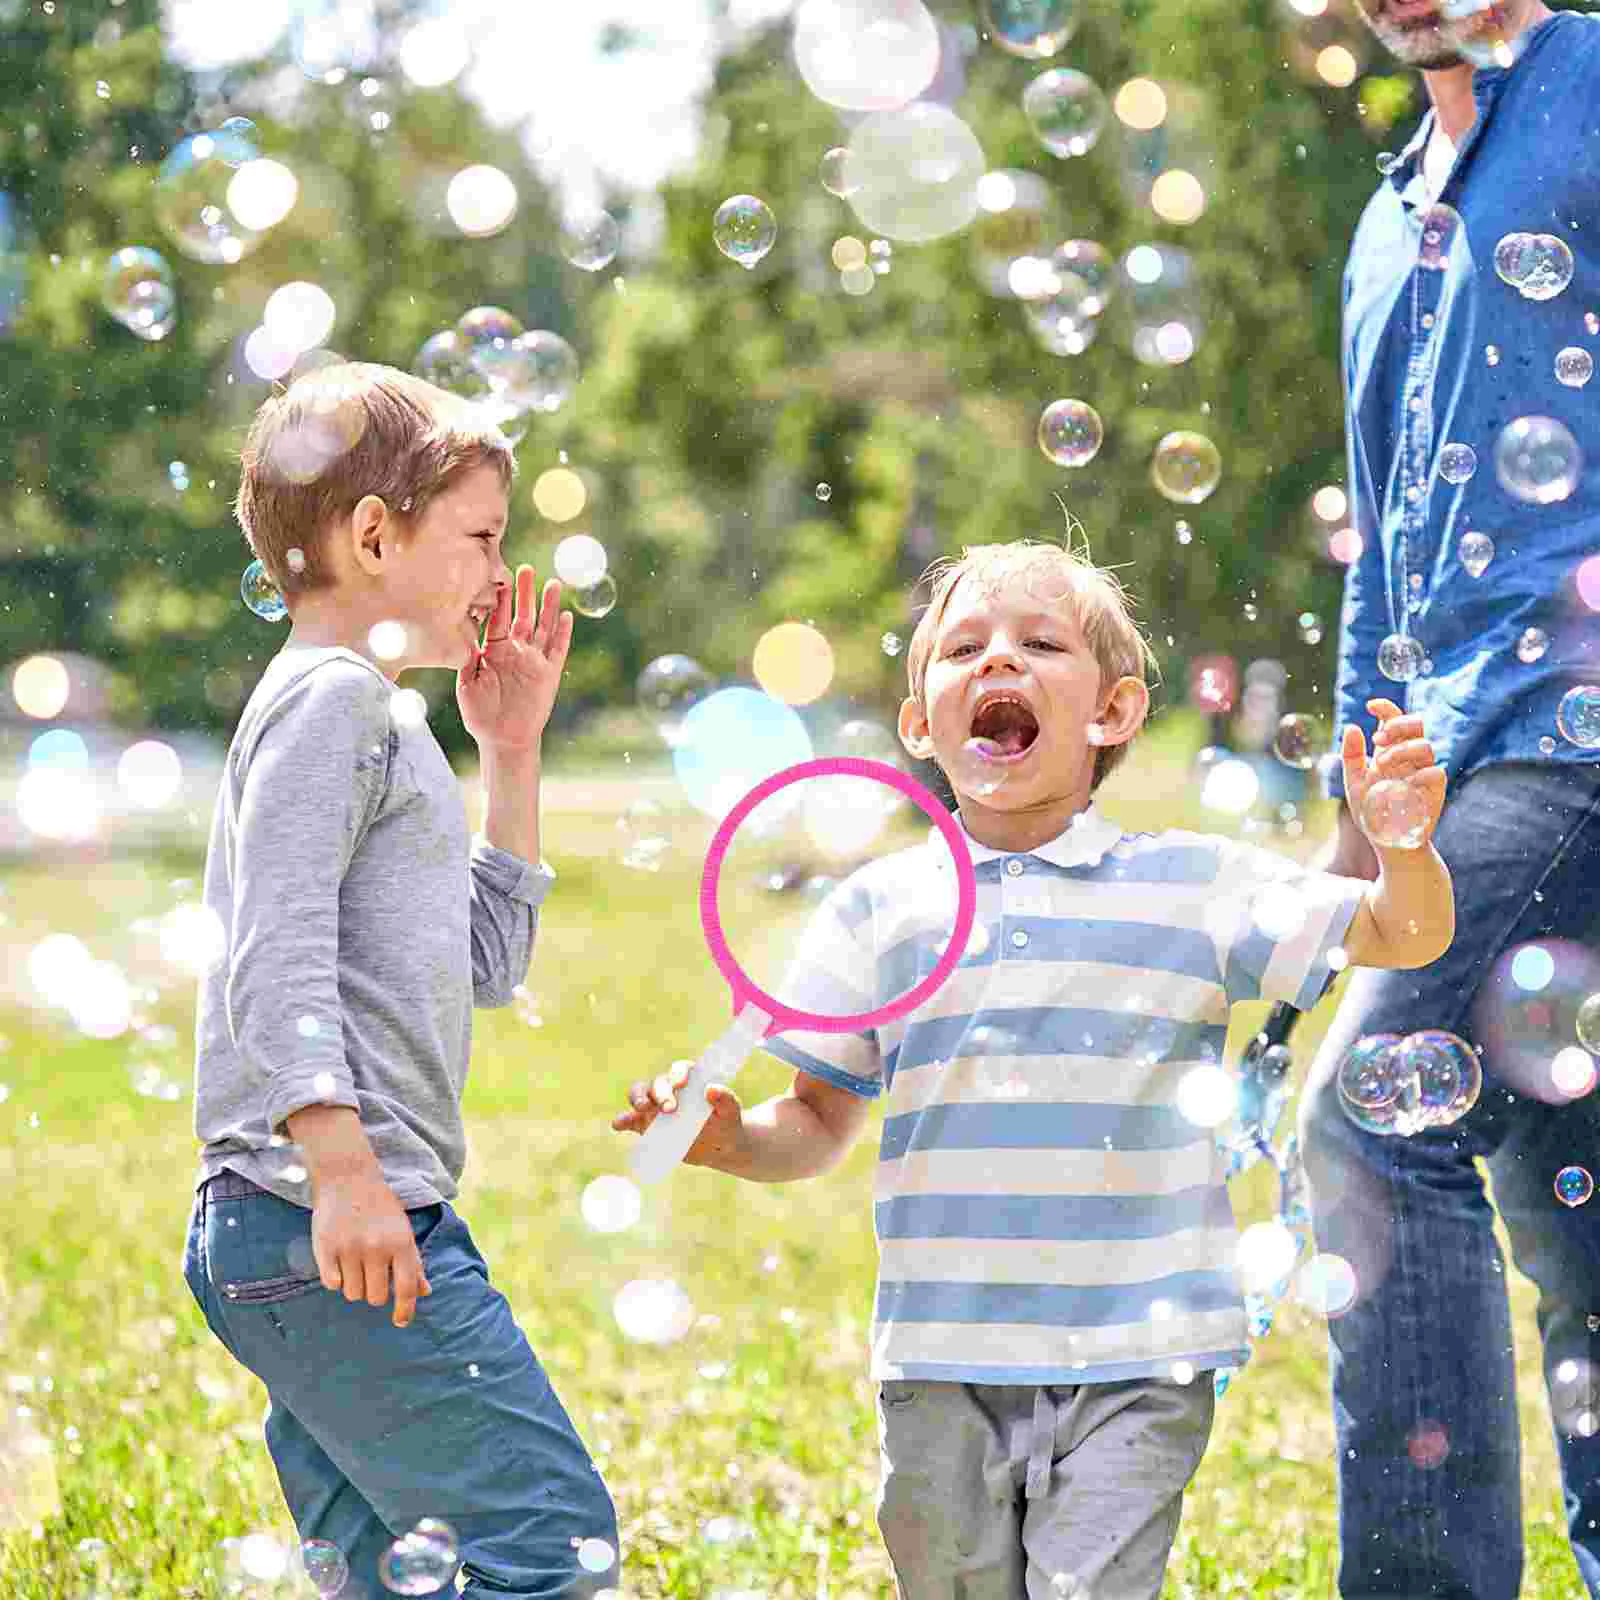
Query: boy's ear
[370, 533]
[1125, 711]
[915, 734]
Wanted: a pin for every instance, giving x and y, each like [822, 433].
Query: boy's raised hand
[506, 692]
[1401, 751]
[724, 1129]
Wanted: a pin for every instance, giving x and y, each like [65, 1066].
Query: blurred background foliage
[713, 401]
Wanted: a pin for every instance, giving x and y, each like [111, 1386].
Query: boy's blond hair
[340, 433]
[1056, 575]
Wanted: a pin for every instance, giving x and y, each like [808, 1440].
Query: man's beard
[1425, 49]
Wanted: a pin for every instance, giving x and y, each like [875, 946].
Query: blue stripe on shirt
[1052, 1216]
[1052, 1304]
[1059, 1031]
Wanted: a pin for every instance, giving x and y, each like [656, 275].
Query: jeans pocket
[269, 1291]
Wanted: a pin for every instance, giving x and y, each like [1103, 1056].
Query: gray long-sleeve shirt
[362, 924]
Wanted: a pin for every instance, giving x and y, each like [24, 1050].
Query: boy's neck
[320, 627]
[1022, 830]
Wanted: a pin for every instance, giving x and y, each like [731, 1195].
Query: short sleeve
[834, 974]
[1274, 924]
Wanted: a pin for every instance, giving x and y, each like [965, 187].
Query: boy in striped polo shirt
[1056, 1277]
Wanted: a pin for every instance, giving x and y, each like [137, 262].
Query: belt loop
[1042, 1455]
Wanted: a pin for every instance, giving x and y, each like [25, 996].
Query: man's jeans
[1423, 1384]
[372, 1427]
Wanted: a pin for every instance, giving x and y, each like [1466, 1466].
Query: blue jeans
[372, 1427]
[1424, 1391]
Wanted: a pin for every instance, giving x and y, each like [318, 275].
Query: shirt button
[1014, 867]
[1427, 319]
[1413, 493]
[1019, 939]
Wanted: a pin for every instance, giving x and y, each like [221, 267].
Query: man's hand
[723, 1134]
[361, 1238]
[1400, 751]
[507, 691]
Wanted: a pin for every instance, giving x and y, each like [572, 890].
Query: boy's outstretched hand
[1401, 752]
[724, 1130]
[508, 689]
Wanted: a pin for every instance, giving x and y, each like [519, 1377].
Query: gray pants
[1002, 1492]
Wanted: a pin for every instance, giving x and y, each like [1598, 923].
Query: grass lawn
[763, 1414]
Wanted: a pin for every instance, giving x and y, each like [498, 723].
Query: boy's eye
[955, 650]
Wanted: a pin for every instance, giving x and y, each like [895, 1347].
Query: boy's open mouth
[1007, 725]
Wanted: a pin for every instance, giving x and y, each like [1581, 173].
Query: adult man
[1440, 350]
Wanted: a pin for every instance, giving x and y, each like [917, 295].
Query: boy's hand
[723, 1133]
[507, 691]
[1400, 751]
[360, 1235]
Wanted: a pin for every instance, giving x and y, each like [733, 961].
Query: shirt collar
[1083, 843]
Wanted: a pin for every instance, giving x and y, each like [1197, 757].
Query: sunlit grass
[762, 1414]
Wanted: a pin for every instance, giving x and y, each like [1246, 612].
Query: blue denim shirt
[1419, 374]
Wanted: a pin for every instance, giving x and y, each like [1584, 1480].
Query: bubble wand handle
[667, 1140]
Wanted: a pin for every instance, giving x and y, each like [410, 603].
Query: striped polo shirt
[1044, 1212]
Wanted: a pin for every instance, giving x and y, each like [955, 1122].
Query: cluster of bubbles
[422, 1561]
[1538, 266]
[1394, 1085]
[511, 374]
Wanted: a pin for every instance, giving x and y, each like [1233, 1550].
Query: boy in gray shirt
[360, 925]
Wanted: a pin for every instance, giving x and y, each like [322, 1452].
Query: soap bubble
[1448, 1076]
[1457, 462]
[869, 741]
[1532, 643]
[548, 372]
[1092, 265]
[1587, 1024]
[1370, 1082]
[1298, 740]
[138, 291]
[481, 200]
[1574, 1186]
[744, 229]
[486, 335]
[891, 644]
[261, 594]
[1070, 433]
[1574, 366]
[1030, 28]
[824, 492]
[590, 241]
[444, 360]
[1186, 467]
[325, 1566]
[597, 599]
[979, 768]
[1538, 461]
[1476, 551]
[1163, 303]
[1548, 268]
[580, 560]
[191, 197]
[866, 55]
[595, 1555]
[1396, 815]
[1441, 227]
[1578, 716]
[1513, 258]
[1327, 1285]
[881, 255]
[835, 173]
[423, 1561]
[653, 1311]
[917, 172]
[731, 741]
[669, 688]
[611, 1204]
[1400, 657]
[1067, 111]
[1013, 234]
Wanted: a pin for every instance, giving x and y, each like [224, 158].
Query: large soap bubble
[1070, 433]
[917, 173]
[191, 196]
[730, 741]
[1161, 285]
[1031, 28]
[866, 55]
[744, 229]
[139, 292]
[669, 689]
[1538, 460]
[1067, 111]
[1186, 467]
